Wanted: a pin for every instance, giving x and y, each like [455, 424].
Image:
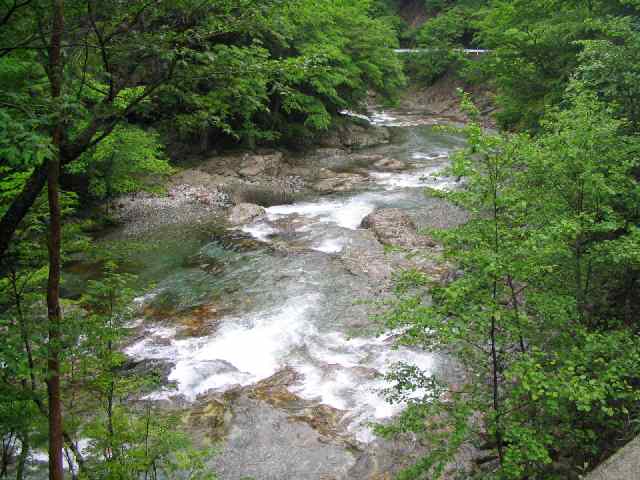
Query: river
[287, 300]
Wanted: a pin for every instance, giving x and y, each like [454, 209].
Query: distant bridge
[466, 51]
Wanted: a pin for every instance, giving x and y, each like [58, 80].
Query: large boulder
[392, 226]
[340, 182]
[622, 465]
[331, 158]
[364, 256]
[245, 213]
[261, 164]
[355, 136]
[323, 162]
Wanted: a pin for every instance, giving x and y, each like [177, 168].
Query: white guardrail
[468, 51]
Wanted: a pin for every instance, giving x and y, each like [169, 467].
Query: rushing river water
[290, 300]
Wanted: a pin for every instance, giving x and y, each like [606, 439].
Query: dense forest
[104, 99]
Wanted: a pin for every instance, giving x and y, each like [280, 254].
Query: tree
[55, 71]
[129, 160]
[125, 440]
[550, 359]
[536, 48]
[610, 67]
[114, 57]
[85, 80]
[250, 71]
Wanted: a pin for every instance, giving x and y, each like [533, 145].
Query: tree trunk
[495, 362]
[24, 455]
[56, 440]
[21, 205]
[55, 320]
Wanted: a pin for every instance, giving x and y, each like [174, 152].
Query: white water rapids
[295, 309]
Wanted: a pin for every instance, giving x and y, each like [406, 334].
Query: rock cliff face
[443, 99]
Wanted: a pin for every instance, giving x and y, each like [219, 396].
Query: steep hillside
[443, 98]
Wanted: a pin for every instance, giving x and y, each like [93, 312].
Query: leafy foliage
[536, 48]
[533, 313]
[442, 37]
[133, 78]
[124, 162]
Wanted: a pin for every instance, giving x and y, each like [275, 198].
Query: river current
[290, 301]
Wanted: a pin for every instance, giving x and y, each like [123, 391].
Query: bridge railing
[466, 51]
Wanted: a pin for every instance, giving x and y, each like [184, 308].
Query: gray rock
[149, 367]
[340, 182]
[366, 159]
[355, 136]
[392, 226]
[331, 158]
[623, 465]
[390, 164]
[245, 213]
[364, 256]
[266, 164]
[271, 438]
[438, 213]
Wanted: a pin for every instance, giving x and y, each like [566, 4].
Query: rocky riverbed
[269, 268]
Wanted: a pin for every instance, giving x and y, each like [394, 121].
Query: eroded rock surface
[393, 226]
[269, 164]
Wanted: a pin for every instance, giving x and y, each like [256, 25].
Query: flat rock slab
[265, 444]
[623, 465]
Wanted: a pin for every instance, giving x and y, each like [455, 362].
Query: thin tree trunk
[97, 129]
[495, 389]
[55, 320]
[578, 278]
[6, 454]
[22, 458]
[56, 440]
[495, 362]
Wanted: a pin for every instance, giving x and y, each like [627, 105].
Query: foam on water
[350, 377]
[350, 113]
[382, 118]
[69, 463]
[243, 350]
[260, 231]
[330, 245]
[347, 213]
[339, 371]
[415, 179]
[429, 156]
[376, 118]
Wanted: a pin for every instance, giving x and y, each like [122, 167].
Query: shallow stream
[228, 311]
